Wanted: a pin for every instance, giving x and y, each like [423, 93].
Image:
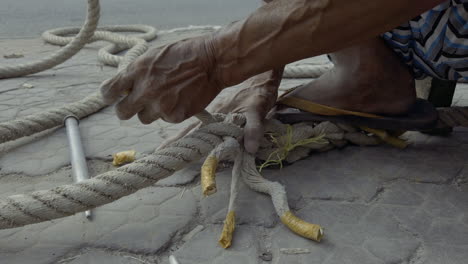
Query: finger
[112, 89]
[253, 131]
[128, 107]
[148, 115]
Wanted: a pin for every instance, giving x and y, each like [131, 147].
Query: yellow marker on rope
[123, 157]
[228, 230]
[386, 137]
[208, 174]
[301, 227]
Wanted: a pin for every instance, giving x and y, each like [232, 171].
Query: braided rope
[306, 70]
[39, 206]
[36, 123]
[136, 44]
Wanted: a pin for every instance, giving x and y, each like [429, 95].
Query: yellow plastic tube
[225, 239]
[301, 227]
[208, 174]
[387, 138]
[123, 157]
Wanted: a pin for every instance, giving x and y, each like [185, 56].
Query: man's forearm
[284, 31]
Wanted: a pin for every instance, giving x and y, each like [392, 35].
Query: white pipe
[77, 156]
[173, 260]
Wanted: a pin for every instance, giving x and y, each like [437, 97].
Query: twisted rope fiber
[23, 209]
[36, 123]
[306, 70]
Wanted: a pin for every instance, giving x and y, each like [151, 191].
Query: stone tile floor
[377, 204]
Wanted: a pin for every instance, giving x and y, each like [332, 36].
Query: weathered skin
[180, 80]
[255, 98]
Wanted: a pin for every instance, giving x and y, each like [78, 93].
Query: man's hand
[172, 83]
[255, 99]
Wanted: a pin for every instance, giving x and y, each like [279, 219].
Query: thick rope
[36, 123]
[62, 55]
[306, 70]
[18, 210]
[39, 206]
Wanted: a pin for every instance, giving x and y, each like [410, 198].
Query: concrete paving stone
[438, 202]
[181, 177]
[203, 248]
[123, 229]
[11, 84]
[447, 232]
[252, 208]
[401, 193]
[118, 224]
[347, 227]
[181, 205]
[326, 182]
[101, 257]
[380, 223]
[376, 204]
[19, 183]
[350, 255]
[39, 254]
[435, 253]
[148, 196]
[391, 251]
[95, 144]
[144, 213]
[282, 238]
[413, 219]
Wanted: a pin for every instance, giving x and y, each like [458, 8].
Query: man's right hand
[173, 82]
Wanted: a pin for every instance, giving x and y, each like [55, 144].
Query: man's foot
[366, 78]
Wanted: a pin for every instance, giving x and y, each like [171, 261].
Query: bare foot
[367, 78]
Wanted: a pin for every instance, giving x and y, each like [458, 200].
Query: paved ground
[14, 15]
[377, 204]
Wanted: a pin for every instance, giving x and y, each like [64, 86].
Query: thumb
[253, 131]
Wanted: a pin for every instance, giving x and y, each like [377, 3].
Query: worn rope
[306, 70]
[62, 55]
[36, 123]
[39, 206]
[230, 221]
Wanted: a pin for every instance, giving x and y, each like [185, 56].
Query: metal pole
[173, 260]
[77, 156]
